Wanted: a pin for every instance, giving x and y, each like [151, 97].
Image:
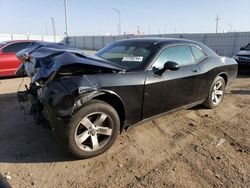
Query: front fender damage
[85, 97]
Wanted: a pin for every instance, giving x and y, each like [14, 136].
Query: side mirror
[170, 65]
[242, 48]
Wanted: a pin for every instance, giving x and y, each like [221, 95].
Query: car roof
[17, 41]
[159, 40]
[3, 44]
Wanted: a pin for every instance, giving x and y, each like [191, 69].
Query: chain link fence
[225, 44]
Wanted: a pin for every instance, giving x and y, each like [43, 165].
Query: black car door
[172, 89]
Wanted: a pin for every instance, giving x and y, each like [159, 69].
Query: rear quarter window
[197, 53]
[180, 54]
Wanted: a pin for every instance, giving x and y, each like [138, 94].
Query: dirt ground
[191, 148]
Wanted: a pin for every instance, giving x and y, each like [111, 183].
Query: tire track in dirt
[181, 136]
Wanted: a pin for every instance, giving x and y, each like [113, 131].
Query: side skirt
[163, 114]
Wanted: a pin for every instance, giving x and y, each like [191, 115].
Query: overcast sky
[97, 17]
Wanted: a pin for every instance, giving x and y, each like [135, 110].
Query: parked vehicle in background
[8, 60]
[243, 56]
[87, 100]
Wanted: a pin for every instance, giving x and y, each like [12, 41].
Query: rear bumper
[232, 73]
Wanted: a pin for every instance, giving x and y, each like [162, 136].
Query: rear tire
[216, 93]
[92, 130]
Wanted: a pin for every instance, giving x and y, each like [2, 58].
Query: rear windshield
[127, 54]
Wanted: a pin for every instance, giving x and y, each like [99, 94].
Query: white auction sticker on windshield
[134, 59]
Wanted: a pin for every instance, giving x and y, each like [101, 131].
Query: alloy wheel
[94, 131]
[217, 93]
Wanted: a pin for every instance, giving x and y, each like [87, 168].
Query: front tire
[93, 129]
[216, 93]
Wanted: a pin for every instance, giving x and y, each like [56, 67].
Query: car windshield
[3, 43]
[247, 47]
[129, 54]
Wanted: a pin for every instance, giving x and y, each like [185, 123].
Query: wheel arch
[107, 96]
[224, 76]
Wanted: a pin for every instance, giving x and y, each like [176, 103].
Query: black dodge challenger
[87, 100]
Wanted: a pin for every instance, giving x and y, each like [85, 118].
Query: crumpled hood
[48, 58]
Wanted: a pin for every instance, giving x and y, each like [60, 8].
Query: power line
[54, 3]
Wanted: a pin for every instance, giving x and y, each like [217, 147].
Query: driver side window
[179, 54]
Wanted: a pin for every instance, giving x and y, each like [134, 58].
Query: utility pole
[119, 24]
[53, 27]
[46, 29]
[230, 27]
[217, 23]
[138, 30]
[66, 16]
[165, 26]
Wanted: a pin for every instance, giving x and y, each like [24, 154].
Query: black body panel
[171, 90]
[136, 94]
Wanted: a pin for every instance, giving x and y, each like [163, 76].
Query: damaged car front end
[59, 84]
